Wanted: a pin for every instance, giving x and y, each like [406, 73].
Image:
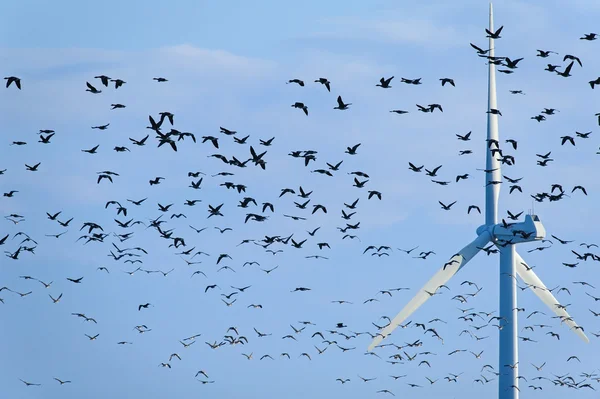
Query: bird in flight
[13, 79]
[341, 105]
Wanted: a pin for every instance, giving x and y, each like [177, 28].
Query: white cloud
[202, 61]
[420, 31]
[183, 58]
[587, 6]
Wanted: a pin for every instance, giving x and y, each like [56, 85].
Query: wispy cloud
[185, 58]
[391, 30]
[588, 7]
[201, 61]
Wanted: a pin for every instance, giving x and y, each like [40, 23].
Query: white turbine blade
[492, 164]
[539, 289]
[457, 262]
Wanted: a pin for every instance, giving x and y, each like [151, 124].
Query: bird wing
[477, 48]
[568, 69]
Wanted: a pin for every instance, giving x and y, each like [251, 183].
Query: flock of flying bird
[17, 246]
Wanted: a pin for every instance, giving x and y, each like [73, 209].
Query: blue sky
[227, 64]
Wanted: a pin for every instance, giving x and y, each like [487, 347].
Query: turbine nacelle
[531, 229]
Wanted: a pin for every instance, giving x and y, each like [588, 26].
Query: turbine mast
[492, 191]
[508, 364]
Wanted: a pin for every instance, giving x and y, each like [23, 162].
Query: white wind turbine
[511, 262]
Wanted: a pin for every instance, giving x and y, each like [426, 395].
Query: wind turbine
[505, 237]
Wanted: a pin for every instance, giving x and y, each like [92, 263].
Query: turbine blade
[492, 191]
[539, 289]
[457, 262]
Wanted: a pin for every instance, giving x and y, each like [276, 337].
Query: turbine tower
[505, 237]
